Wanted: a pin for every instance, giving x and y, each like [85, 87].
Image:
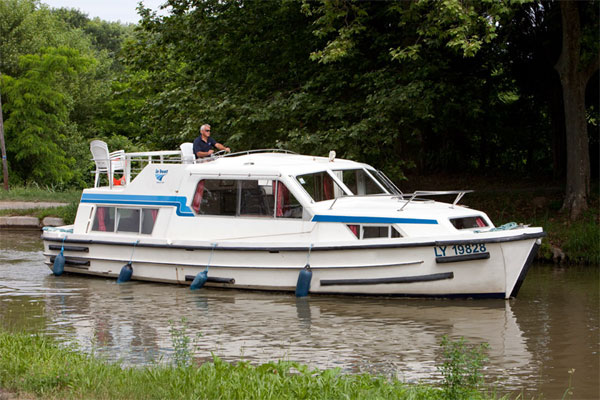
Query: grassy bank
[522, 201]
[34, 366]
[38, 194]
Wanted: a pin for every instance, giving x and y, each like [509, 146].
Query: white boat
[275, 220]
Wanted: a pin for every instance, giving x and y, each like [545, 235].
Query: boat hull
[494, 267]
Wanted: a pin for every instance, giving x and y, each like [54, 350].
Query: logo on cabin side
[160, 174]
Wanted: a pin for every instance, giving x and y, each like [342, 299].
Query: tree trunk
[574, 78]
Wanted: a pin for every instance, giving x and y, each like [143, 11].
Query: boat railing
[414, 196]
[354, 196]
[137, 161]
[246, 152]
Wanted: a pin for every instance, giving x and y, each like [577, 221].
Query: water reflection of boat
[392, 336]
[255, 220]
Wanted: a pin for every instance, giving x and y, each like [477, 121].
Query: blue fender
[303, 285]
[125, 274]
[59, 264]
[199, 280]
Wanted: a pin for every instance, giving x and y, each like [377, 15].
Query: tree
[38, 109]
[575, 67]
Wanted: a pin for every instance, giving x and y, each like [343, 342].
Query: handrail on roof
[459, 194]
[254, 151]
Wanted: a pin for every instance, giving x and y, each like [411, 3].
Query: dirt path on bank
[26, 205]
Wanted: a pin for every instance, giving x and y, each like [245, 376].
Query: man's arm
[201, 154]
[221, 147]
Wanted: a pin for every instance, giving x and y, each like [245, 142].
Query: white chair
[187, 153]
[106, 162]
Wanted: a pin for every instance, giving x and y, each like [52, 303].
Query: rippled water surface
[551, 328]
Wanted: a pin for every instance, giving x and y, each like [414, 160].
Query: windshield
[320, 186]
[360, 182]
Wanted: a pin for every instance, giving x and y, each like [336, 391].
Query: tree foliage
[58, 69]
[427, 86]
[38, 107]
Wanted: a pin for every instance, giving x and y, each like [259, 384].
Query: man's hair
[203, 127]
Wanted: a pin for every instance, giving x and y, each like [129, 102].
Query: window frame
[117, 217]
[273, 182]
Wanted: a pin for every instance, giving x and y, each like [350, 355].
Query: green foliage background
[407, 86]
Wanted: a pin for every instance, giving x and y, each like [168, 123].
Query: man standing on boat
[204, 144]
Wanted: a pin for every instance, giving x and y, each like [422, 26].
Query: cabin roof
[288, 164]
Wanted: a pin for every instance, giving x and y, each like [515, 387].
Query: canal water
[534, 341]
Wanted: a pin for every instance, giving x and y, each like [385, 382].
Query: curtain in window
[198, 196]
[283, 199]
[327, 187]
[100, 216]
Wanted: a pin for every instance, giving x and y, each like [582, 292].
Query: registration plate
[459, 249]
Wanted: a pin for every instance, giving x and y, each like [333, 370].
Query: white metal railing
[459, 194]
[136, 161]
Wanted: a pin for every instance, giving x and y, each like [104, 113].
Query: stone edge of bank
[28, 223]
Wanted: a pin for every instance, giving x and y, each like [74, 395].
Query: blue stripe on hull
[179, 202]
[349, 219]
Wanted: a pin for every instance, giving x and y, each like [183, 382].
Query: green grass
[37, 193]
[33, 365]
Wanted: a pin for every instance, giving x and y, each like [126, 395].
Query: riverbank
[33, 366]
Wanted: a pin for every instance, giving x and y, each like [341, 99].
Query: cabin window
[320, 186]
[130, 220]
[286, 205]
[374, 231]
[359, 182]
[245, 198]
[148, 219]
[469, 222]
[104, 221]
[371, 232]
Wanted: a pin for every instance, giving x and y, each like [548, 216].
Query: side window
[286, 204]
[255, 199]
[148, 219]
[128, 220]
[125, 220]
[245, 198]
[370, 232]
[215, 197]
[374, 231]
[320, 186]
[104, 220]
